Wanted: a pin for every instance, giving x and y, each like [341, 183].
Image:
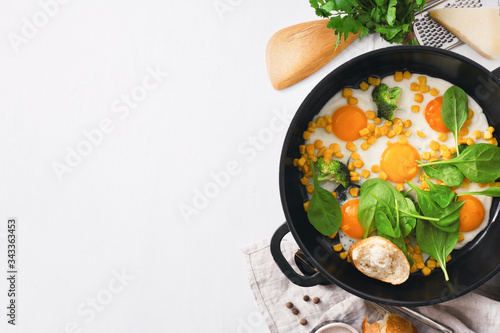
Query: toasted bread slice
[379, 258]
[392, 323]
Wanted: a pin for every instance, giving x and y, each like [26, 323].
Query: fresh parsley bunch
[391, 18]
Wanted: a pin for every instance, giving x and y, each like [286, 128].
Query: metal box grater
[430, 33]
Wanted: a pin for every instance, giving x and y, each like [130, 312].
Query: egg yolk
[433, 115]
[399, 162]
[471, 214]
[350, 224]
[347, 121]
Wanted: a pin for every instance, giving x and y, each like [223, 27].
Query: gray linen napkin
[471, 313]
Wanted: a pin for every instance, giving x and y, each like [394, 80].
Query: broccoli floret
[333, 171]
[387, 100]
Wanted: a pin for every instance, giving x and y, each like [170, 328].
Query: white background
[117, 210]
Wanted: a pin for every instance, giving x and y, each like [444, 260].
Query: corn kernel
[391, 134]
[327, 157]
[328, 128]
[350, 166]
[470, 114]
[365, 145]
[359, 163]
[426, 156]
[301, 161]
[382, 175]
[460, 237]
[491, 129]
[407, 133]
[371, 127]
[431, 263]
[343, 255]
[346, 93]
[422, 80]
[335, 195]
[351, 146]
[420, 265]
[417, 257]
[383, 130]
[434, 145]
[399, 187]
[364, 131]
[353, 174]
[415, 108]
[426, 271]
[371, 115]
[463, 131]
[445, 153]
[311, 129]
[337, 247]
[321, 122]
[487, 135]
[417, 249]
[377, 121]
[375, 168]
[334, 147]
[434, 92]
[354, 191]
[409, 249]
[442, 137]
[493, 141]
[365, 173]
[418, 98]
[407, 75]
[453, 150]
[318, 144]
[321, 151]
[352, 101]
[306, 205]
[448, 258]
[421, 134]
[313, 158]
[398, 76]
[424, 88]
[407, 123]
[476, 134]
[306, 135]
[415, 87]
[413, 268]
[371, 140]
[364, 86]
[470, 141]
[372, 80]
[310, 188]
[402, 140]
[304, 180]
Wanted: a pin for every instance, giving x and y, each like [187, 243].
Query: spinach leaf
[454, 111]
[441, 194]
[479, 162]
[447, 173]
[368, 203]
[324, 211]
[436, 242]
[491, 192]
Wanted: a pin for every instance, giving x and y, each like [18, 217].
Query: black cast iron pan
[470, 266]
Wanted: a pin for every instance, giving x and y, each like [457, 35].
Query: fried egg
[474, 215]
[372, 147]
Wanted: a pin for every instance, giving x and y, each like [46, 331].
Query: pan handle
[496, 72]
[284, 265]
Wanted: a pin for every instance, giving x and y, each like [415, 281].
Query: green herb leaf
[441, 194]
[454, 110]
[447, 173]
[479, 162]
[491, 192]
[324, 211]
[436, 242]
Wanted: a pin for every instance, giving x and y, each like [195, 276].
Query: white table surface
[102, 243]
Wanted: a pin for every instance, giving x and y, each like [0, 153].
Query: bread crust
[295, 52]
[358, 251]
[392, 323]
